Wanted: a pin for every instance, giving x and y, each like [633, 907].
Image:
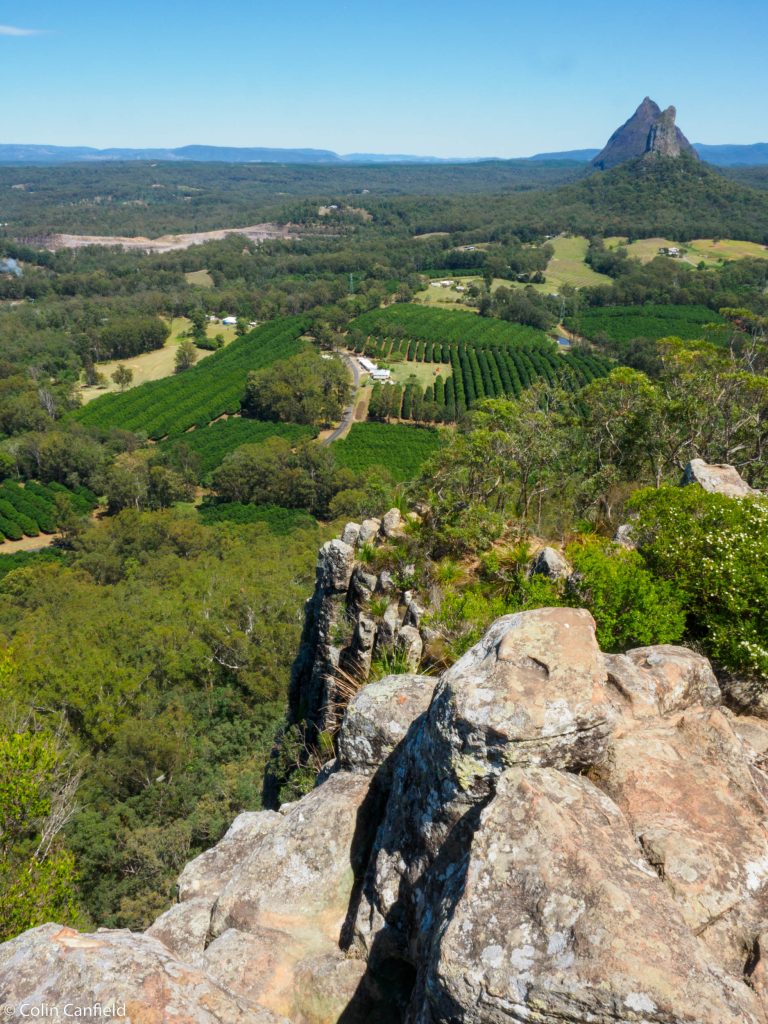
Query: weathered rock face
[717, 479]
[560, 919]
[649, 130]
[545, 834]
[53, 967]
[378, 719]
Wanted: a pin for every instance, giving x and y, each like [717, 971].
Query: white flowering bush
[715, 551]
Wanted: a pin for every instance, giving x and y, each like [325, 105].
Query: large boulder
[717, 479]
[560, 919]
[378, 719]
[335, 564]
[57, 973]
[550, 563]
[300, 876]
[696, 802]
[207, 874]
[184, 928]
[663, 679]
[533, 691]
[408, 642]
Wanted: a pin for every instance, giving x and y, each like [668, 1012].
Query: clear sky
[446, 78]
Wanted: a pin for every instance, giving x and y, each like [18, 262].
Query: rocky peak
[649, 130]
[545, 833]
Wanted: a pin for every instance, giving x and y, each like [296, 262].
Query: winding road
[349, 412]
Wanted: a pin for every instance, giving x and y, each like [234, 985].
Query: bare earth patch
[169, 243]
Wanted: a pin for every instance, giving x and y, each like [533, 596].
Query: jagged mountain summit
[649, 130]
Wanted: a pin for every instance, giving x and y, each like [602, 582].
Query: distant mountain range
[724, 156]
[32, 154]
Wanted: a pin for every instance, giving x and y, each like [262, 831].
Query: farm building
[380, 374]
[367, 364]
[230, 321]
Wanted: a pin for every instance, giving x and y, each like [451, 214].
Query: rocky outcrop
[649, 130]
[341, 636]
[54, 972]
[545, 833]
[717, 479]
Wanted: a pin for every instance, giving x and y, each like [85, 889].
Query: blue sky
[477, 77]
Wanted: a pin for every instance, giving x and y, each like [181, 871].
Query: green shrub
[715, 551]
[631, 607]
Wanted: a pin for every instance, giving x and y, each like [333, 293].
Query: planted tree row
[401, 448]
[206, 448]
[32, 509]
[483, 373]
[201, 394]
[625, 323]
[422, 323]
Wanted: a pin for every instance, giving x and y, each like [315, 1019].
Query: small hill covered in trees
[676, 197]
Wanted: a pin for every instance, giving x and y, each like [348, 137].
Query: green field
[700, 250]
[567, 266]
[211, 444]
[280, 521]
[200, 395]
[625, 323]
[398, 447]
[423, 372]
[200, 278]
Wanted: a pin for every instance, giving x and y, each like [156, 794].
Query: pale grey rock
[369, 528]
[299, 877]
[328, 990]
[533, 691]
[207, 874]
[550, 563]
[624, 537]
[386, 583]
[409, 642]
[560, 919]
[392, 524]
[689, 789]
[350, 534]
[258, 966]
[357, 660]
[378, 719]
[389, 627]
[361, 587]
[335, 565]
[681, 676]
[184, 928]
[717, 479]
[414, 613]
